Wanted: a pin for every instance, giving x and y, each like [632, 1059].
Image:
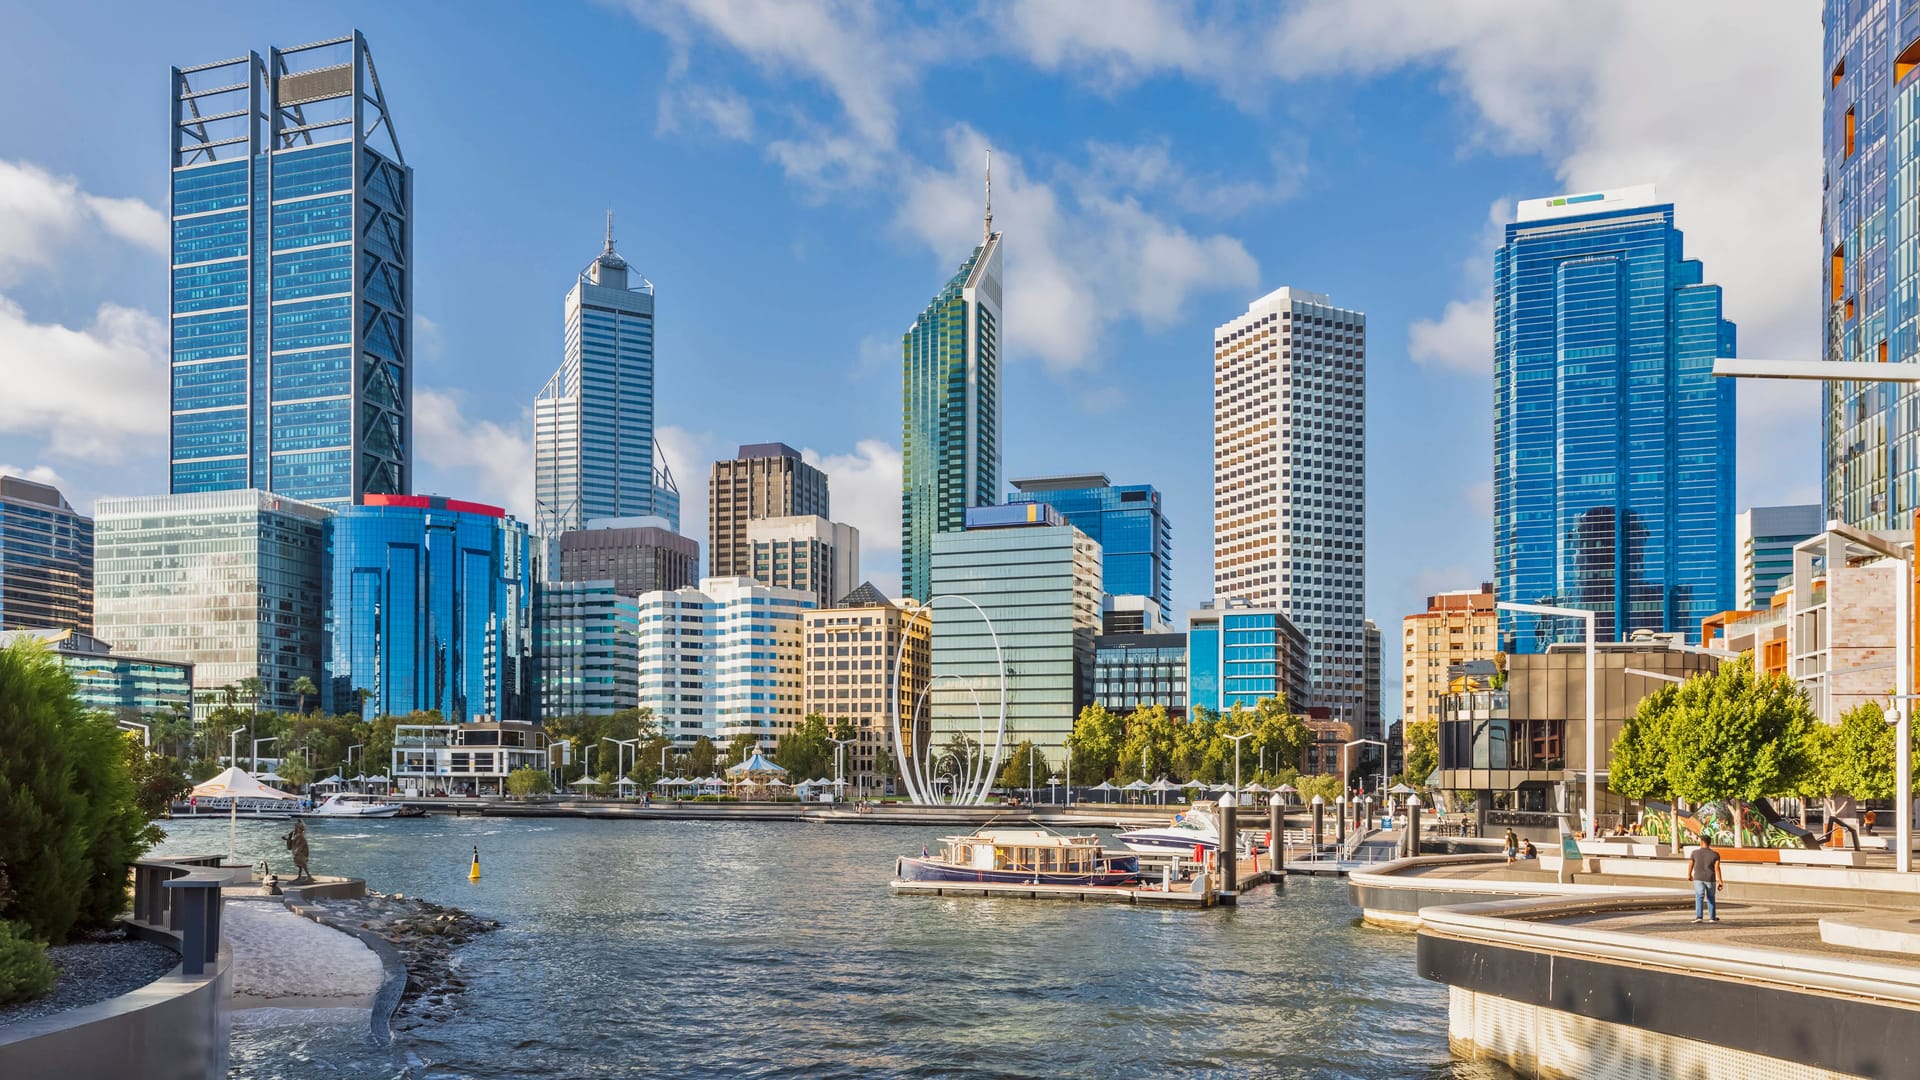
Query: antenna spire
[989, 193]
[609, 232]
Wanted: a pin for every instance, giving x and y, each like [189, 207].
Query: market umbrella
[332, 781]
[1400, 789]
[625, 781]
[1194, 783]
[1105, 786]
[777, 782]
[1255, 787]
[271, 777]
[586, 781]
[381, 779]
[234, 785]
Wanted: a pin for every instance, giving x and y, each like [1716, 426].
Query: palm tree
[302, 686]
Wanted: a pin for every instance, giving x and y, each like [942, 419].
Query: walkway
[285, 961]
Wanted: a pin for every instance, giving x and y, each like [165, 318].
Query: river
[775, 950]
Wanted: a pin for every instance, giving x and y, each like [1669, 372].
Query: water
[775, 949]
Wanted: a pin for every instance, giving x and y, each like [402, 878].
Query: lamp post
[586, 760]
[620, 755]
[233, 748]
[146, 732]
[256, 750]
[839, 745]
[1032, 752]
[350, 750]
[1236, 758]
[1593, 752]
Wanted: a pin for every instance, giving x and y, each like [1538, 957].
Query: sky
[799, 177]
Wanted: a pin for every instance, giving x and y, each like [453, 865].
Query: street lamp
[620, 755]
[1593, 752]
[586, 759]
[1032, 752]
[1236, 758]
[233, 748]
[256, 750]
[839, 783]
[350, 750]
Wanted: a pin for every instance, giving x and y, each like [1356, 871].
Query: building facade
[586, 640]
[810, 554]
[1240, 654]
[1373, 724]
[723, 660]
[594, 450]
[1764, 537]
[766, 480]
[231, 582]
[292, 285]
[46, 559]
[638, 555]
[950, 427]
[430, 609]
[1037, 579]
[1136, 671]
[1135, 537]
[1290, 479]
[126, 686]
[463, 759]
[1132, 614]
[1610, 432]
[675, 662]
[1457, 626]
[851, 650]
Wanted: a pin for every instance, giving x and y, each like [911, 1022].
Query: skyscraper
[1764, 537]
[1611, 435]
[594, 452]
[1290, 480]
[950, 438]
[766, 480]
[723, 660]
[46, 559]
[809, 553]
[1135, 538]
[637, 554]
[292, 287]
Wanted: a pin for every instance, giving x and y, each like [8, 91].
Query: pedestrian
[1529, 852]
[1512, 845]
[1703, 869]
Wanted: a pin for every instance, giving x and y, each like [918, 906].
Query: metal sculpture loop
[916, 771]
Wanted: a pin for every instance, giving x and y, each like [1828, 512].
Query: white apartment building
[808, 553]
[723, 659]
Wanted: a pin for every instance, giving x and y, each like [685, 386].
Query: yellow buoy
[474, 874]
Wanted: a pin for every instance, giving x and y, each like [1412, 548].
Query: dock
[1180, 896]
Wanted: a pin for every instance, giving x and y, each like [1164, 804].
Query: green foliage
[592, 730]
[1855, 757]
[527, 780]
[1328, 786]
[1148, 743]
[157, 781]
[25, 971]
[1723, 735]
[1015, 773]
[702, 758]
[742, 747]
[1420, 750]
[1095, 743]
[806, 752]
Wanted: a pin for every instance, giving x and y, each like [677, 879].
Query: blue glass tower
[1135, 538]
[292, 329]
[1238, 654]
[1611, 436]
[431, 608]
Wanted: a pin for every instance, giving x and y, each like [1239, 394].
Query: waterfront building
[105, 681]
[1133, 671]
[723, 660]
[766, 480]
[1325, 753]
[638, 555]
[1372, 725]
[464, 759]
[1038, 581]
[809, 553]
[46, 559]
[1611, 435]
[851, 651]
[430, 608]
[1240, 653]
[1135, 537]
[594, 450]
[1290, 479]
[950, 429]
[230, 582]
[292, 285]
[1131, 614]
[1764, 537]
[1457, 626]
[586, 637]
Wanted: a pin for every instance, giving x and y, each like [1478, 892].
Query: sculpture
[297, 844]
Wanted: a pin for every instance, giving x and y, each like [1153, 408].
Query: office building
[637, 554]
[594, 451]
[1763, 538]
[586, 640]
[1135, 538]
[810, 553]
[950, 429]
[292, 286]
[1611, 435]
[46, 559]
[1132, 614]
[231, 582]
[723, 660]
[1373, 724]
[131, 687]
[1037, 581]
[1241, 654]
[1457, 626]
[851, 650]
[430, 609]
[766, 480]
[1290, 479]
[1139, 671]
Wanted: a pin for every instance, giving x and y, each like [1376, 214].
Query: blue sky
[797, 179]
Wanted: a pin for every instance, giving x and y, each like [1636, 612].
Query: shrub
[528, 780]
[25, 971]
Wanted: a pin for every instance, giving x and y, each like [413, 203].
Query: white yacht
[1196, 827]
[349, 804]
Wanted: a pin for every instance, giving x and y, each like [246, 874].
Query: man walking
[1703, 868]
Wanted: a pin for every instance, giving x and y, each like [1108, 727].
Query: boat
[1021, 857]
[1198, 827]
[350, 805]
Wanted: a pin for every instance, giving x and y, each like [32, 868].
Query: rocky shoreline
[426, 935]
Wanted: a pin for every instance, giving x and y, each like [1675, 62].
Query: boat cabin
[1032, 850]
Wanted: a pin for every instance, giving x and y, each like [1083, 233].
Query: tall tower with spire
[950, 429]
[595, 455]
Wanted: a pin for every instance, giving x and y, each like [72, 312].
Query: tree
[1026, 766]
[251, 688]
[303, 688]
[1854, 757]
[806, 751]
[157, 781]
[742, 747]
[1329, 786]
[1095, 742]
[528, 780]
[701, 758]
[1420, 751]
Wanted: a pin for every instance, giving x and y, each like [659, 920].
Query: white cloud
[1102, 399]
[472, 459]
[1150, 168]
[1461, 339]
[1119, 42]
[42, 214]
[39, 474]
[1479, 497]
[718, 109]
[865, 490]
[93, 393]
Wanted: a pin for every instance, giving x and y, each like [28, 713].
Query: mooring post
[1413, 825]
[1319, 826]
[1277, 839]
[1229, 849]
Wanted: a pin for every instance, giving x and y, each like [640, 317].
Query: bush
[25, 971]
[528, 780]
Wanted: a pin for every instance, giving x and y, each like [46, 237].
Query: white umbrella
[1400, 789]
[586, 781]
[234, 785]
[1137, 785]
[1286, 789]
[1194, 783]
[1219, 787]
[271, 778]
[381, 779]
[1256, 786]
[777, 782]
[332, 781]
[625, 781]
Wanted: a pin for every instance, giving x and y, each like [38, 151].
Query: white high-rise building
[1764, 537]
[723, 660]
[1290, 479]
[809, 553]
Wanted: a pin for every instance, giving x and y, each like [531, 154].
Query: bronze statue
[297, 844]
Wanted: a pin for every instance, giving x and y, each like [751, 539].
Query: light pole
[233, 748]
[350, 750]
[839, 747]
[1235, 739]
[146, 732]
[256, 750]
[1593, 752]
[620, 755]
[1032, 752]
[586, 760]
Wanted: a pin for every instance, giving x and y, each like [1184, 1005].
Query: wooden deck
[1253, 873]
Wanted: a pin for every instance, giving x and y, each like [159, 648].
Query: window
[1847, 137]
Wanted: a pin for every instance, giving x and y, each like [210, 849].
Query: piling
[1277, 837]
[1340, 840]
[1229, 849]
[1319, 826]
[1413, 825]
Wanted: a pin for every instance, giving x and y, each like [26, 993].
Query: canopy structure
[777, 782]
[1137, 785]
[271, 778]
[1221, 787]
[1104, 785]
[1255, 787]
[378, 780]
[1162, 785]
[756, 762]
[1400, 789]
[586, 781]
[235, 783]
[332, 781]
[1286, 789]
[1194, 783]
[625, 781]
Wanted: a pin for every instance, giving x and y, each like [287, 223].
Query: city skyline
[1052, 375]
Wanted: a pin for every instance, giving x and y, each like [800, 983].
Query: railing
[182, 896]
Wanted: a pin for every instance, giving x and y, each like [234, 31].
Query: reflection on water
[774, 949]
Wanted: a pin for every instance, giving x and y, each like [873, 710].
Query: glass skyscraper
[1612, 438]
[594, 450]
[1135, 538]
[1241, 654]
[430, 609]
[587, 642]
[46, 559]
[950, 439]
[292, 296]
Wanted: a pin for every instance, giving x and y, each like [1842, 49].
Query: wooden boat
[1021, 856]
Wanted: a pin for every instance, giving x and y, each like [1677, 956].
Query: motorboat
[1021, 857]
[348, 804]
[1196, 828]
